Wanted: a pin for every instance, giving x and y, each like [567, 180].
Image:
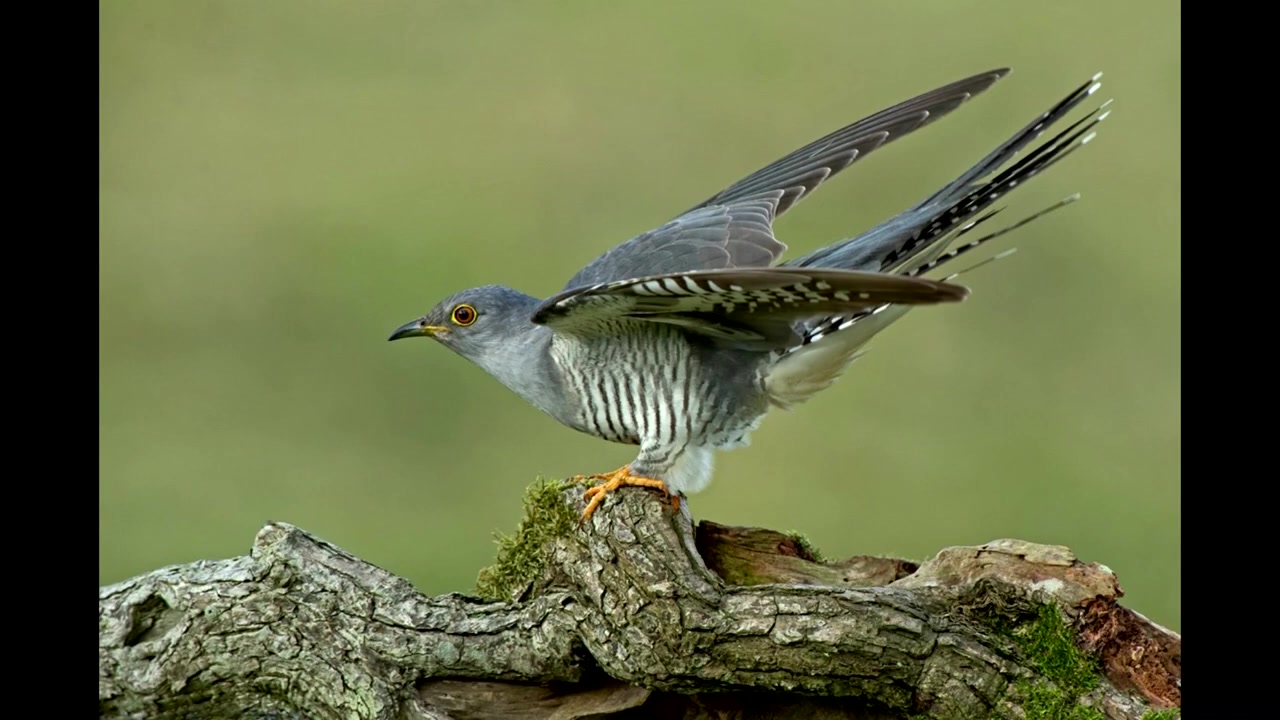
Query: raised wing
[811, 165]
[720, 236]
[706, 236]
[750, 307]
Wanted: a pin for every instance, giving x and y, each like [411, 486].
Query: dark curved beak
[415, 328]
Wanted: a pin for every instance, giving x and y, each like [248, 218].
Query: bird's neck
[523, 363]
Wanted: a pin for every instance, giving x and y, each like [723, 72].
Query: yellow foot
[614, 480]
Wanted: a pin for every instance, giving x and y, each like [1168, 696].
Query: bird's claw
[596, 494]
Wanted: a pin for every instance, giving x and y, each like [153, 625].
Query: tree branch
[623, 614]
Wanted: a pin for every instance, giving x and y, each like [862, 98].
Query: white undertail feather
[692, 472]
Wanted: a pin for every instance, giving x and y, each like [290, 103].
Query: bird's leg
[614, 480]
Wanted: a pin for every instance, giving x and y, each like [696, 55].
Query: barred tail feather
[829, 347]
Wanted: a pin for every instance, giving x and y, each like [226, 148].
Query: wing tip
[955, 292]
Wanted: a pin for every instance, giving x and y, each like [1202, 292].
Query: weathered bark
[626, 621]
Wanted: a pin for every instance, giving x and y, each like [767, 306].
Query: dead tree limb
[637, 614]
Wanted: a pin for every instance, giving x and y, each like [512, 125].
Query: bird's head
[474, 323]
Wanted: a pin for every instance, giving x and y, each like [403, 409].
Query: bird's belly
[651, 388]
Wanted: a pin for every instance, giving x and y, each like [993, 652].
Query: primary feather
[710, 235]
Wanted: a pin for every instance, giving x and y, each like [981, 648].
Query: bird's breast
[645, 383]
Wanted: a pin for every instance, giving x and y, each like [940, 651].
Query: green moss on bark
[1066, 672]
[522, 557]
[807, 548]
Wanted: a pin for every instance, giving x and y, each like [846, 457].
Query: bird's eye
[464, 315]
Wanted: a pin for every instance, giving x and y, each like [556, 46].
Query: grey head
[491, 326]
[471, 322]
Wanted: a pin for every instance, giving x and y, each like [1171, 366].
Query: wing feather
[714, 235]
[748, 307]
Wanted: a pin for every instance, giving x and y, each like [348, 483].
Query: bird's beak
[415, 328]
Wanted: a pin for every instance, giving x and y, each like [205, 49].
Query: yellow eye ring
[464, 315]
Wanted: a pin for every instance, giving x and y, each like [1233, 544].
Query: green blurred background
[281, 184]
